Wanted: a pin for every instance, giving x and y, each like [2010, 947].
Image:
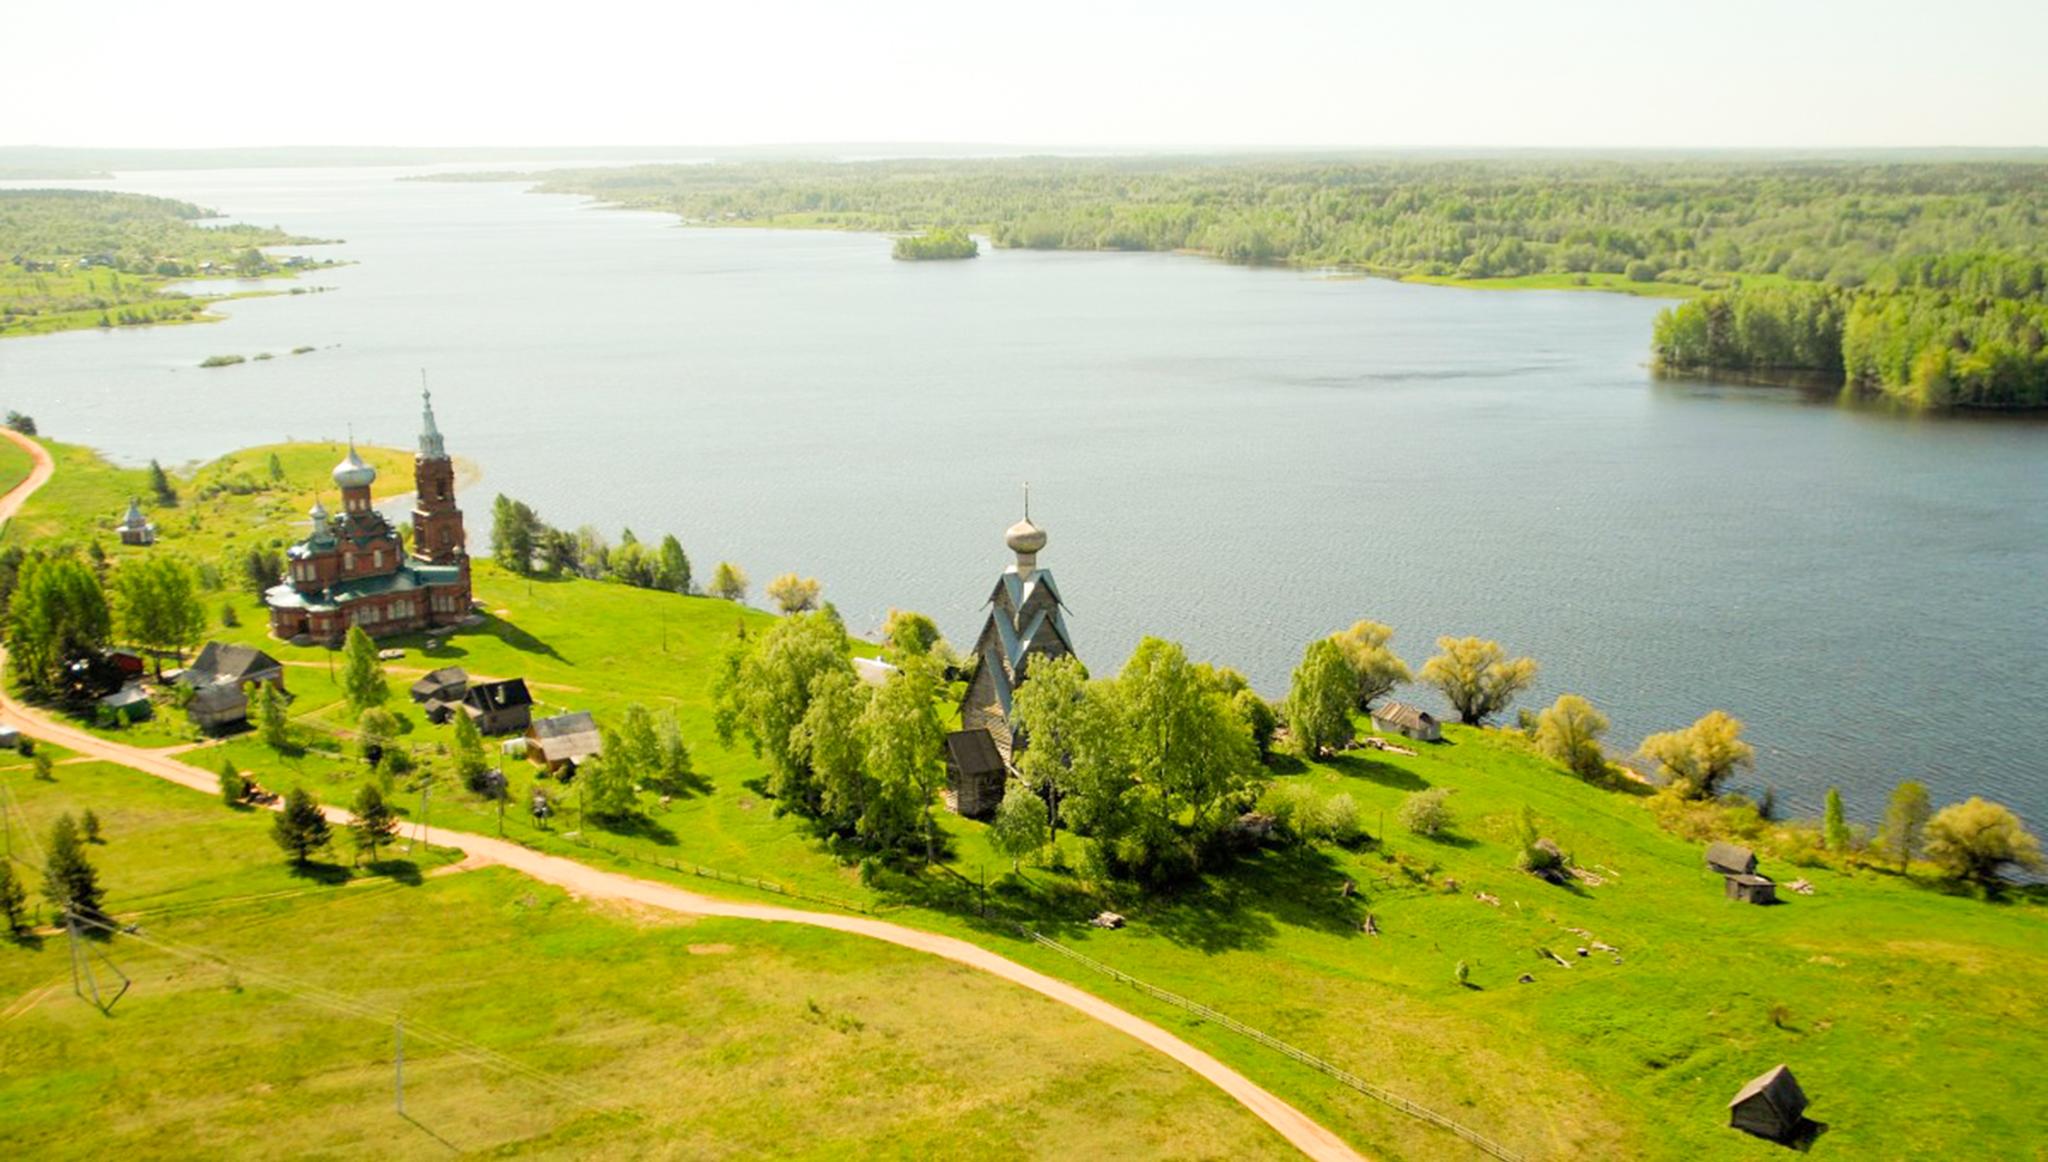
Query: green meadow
[259, 1020]
[1910, 1014]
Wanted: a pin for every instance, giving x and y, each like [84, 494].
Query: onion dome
[431, 445]
[353, 472]
[133, 518]
[1025, 537]
[319, 515]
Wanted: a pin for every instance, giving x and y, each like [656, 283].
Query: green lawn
[630, 1034]
[1873, 987]
[15, 465]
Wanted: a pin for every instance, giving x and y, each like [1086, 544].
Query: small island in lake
[936, 244]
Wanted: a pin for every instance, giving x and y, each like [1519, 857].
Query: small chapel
[1026, 622]
[352, 569]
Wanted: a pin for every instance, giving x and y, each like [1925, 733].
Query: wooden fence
[1475, 1138]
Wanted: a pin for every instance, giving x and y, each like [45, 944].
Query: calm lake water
[1238, 459]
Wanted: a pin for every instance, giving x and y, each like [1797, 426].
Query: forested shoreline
[1921, 280]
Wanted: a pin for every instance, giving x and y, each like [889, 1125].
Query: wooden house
[440, 692]
[561, 742]
[975, 773]
[498, 707]
[1406, 720]
[1771, 1106]
[222, 679]
[1731, 859]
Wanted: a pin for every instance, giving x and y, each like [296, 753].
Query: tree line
[1936, 348]
[524, 544]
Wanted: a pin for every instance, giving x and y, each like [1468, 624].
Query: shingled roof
[566, 737]
[225, 662]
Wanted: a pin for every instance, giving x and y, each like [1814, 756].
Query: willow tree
[764, 688]
[1075, 753]
[1477, 677]
[1568, 733]
[1698, 759]
[1977, 840]
[1366, 646]
[901, 743]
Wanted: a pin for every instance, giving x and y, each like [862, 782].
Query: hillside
[1876, 985]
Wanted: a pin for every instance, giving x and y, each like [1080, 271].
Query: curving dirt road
[590, 883]
[37, 476]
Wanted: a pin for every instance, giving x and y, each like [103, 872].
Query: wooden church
[1026, 622]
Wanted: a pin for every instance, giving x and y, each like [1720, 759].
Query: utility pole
[425, 789]
[398, 1073]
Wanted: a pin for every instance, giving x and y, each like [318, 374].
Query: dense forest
[1923, 279]
[83, 258]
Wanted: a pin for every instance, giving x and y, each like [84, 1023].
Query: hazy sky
[1099, 72]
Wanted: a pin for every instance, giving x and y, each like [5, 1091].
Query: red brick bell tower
[437, 536]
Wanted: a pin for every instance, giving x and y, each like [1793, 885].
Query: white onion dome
[353, 472]
[319, 514]
[1025, 537]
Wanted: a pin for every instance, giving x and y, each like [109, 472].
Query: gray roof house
[561, 742]
[222, 678]
[1771, 1106]
[1409, 721]
[499, 707]
[1731, 859]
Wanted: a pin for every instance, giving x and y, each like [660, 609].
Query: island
[935, 245]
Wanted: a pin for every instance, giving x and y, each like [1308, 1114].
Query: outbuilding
[499, 707]
[222, 678]
[447, 684]
[1752, 889]
[1731, 860]
[1772, 1106]
[975, 773]
[135, 529]
[126, 705]
[561, 742]
[1407, 720]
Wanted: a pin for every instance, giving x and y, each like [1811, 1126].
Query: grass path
[590, 883]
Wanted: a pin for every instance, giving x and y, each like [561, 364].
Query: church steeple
[431, 447]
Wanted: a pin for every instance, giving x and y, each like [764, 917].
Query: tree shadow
[1239, 906]
[1356, 765]
[402, 871]
[1451, 839]
[638, 826]
[518, 638]
[27, 938]
[321, 872]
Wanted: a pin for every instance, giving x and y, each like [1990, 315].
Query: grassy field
[631, 1034]
[1876, 986]
[14, 465]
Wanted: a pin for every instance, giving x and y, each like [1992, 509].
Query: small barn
[975, 773]
[499, 707]
[1752, 889]
[135, 529]
[1407, 720]
[1772, 1106]
[561, 742]
[1731, 859]
[123, 706]
[447, 684]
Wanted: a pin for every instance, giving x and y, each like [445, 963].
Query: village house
[498, 707]
[135, 529]
[1731, 859]
[441, 692]
[222, 680]
[352, 570]
[562, 742]
[1026, 622]
[1407, 720]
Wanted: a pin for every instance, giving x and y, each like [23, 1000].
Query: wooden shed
[1772, 1106]
[1731, 860]
[1752, 889]
[447, 684]
[975, 773]
[1407, 720]
[499, 707]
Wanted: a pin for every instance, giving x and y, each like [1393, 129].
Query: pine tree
[160, 484]
[70, 882]
[1905, 822]
[232, 786]
[374, 825]
[470, 766]
[276, 468]
[270, 718]
[1834, 830]
[300, 829]
[362, 675]
[13, 899]
[89, 824]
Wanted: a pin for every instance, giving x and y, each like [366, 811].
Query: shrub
[1427, 812]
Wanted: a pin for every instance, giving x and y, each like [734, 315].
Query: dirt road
[590, 883]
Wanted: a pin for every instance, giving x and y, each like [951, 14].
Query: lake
[1238, 459]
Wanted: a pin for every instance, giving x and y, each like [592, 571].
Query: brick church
[352, 568]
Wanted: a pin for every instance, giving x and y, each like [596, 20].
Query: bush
[1427, 812]
[1640, 271]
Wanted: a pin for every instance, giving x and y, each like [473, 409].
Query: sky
[1102, 73]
